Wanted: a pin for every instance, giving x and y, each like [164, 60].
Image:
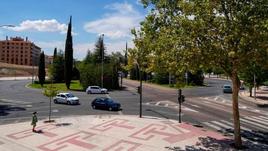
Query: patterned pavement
[105, 132]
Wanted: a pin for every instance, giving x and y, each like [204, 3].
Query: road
[204, 106]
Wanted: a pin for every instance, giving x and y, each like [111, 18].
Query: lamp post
[102, 56]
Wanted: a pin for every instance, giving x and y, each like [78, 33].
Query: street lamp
[102, 56]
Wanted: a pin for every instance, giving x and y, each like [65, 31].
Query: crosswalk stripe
[222, 125]
[212, 126]
[157, 103]
[166, 105]
[256, 120]
[253, 123]
[264, 117]
[231, 124]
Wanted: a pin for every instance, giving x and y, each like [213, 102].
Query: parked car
[66, 98]
[227, 88]
[105, 103]
[96, 89]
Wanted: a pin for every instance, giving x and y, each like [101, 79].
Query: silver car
[66, 98]
[95, 89]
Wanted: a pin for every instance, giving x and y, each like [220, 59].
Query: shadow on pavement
[212, 144]
[5, 109]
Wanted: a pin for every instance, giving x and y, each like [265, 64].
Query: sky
[45, 23]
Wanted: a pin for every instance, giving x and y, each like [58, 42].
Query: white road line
[231, 124]
[157, 103]
[260, 118]
[212, 126]
[264, 117]
[188, 109]
[253, 123]
[256, 111]
[147, 103]
[107, 95]
[222, 125]
[216, 98]
[207, 102]
[176, 106]
[166, 105]
[14, 101]
[256, 120]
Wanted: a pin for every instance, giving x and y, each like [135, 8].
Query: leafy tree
[41, 69]
[68, 56]
[50, 92]
[189, 35]
[76, 73]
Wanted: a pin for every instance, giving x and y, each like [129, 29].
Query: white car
[96, 89]
[67, 98]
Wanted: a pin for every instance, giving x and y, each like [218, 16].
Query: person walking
[34, 121]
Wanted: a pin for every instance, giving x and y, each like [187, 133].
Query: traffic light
[182, 98]
[139, 89]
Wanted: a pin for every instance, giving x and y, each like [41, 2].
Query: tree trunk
[236, 85]
[250, 91]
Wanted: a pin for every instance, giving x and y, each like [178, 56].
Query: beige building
[16, 50]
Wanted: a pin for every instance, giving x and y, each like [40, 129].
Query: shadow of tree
[5, 109]
[212, 144]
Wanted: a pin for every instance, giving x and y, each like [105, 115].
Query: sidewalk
[110, 132]
[261, 97]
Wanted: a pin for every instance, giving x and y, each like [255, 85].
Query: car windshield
[69, 95]
[227, 87]
[109, 100]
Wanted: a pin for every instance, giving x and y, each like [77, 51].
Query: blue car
[227, 88]
[105, 103]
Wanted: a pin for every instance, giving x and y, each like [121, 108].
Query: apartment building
[18, 51]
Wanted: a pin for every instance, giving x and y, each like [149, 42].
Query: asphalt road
[205, 106]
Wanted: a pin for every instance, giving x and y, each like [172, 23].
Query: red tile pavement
[107, 133]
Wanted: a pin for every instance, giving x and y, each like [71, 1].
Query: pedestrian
[34, 121]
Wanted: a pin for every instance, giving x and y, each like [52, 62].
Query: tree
[58, 67]
[68, 67]
[50, 92]
[225, 34]
[41, 69]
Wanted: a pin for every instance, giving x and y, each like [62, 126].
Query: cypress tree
[68, 67]
[41, 69]
[55, 55]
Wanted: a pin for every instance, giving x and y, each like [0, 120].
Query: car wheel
[110, 108]
[93, 106]
[68, 102]
[55, 101]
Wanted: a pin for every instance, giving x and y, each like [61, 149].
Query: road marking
[147, 103]
[256, 111]
[231, 124]
[212, 126]
[188, 109]
[253, 123]
[243, 107]
[166, 105]
[54, 111]
[264, 117]
[222, 125]
[256, 120]
[157, 103]
[14, 101]
[107, 95]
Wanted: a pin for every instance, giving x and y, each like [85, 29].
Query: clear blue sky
[45, 22]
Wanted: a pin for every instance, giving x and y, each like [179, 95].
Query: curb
[259, 103]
